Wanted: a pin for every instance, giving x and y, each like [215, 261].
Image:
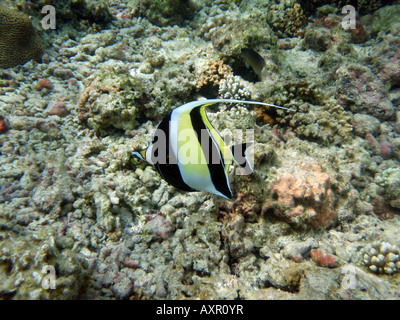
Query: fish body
[254, 60]
[190, 154]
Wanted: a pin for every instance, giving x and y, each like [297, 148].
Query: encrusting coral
[305, 195]
[287, 22]
[19, 42]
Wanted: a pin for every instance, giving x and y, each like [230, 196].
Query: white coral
[381, 257]
[234, 87]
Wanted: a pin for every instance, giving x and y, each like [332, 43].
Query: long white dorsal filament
[212, 101]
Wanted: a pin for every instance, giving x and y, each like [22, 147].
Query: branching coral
[233, 87]
[212, 73]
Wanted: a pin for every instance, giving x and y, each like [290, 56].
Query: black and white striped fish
[189, 153]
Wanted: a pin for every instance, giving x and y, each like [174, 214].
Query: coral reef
[287, 19]
[390, 71]
[389, 179]
[323, 194]
[233, 87]
[317, 39]
[170, 12]
[388, 13]
[323, 260]
[361, 91]
[381, 257]
[22, 262]
[82, 14]
[364, 123]
[111, 100]
[212, 73]
[233, 31]
[305, 195]
[19, 41]
[362, 6]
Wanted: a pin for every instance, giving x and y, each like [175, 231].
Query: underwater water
[85, 84]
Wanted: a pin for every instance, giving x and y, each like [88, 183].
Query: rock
[317, 39]
[364, 123]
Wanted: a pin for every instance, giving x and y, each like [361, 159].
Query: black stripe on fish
[169, 170]
[216, 169]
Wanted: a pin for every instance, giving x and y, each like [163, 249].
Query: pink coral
[386, 148]
[323, 260]
[305, 195]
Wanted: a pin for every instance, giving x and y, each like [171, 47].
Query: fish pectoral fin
[239, 154]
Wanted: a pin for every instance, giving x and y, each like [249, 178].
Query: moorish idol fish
[186, 129]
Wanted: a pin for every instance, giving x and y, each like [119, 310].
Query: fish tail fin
[239, 154]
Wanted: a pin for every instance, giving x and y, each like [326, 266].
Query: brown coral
[19, 42]
[213, 73]
[289, 23]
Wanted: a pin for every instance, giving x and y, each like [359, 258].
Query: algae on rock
[112, 100]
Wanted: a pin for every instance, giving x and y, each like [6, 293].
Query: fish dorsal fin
[239, 154]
